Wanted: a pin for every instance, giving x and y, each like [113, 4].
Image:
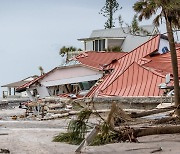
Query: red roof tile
[24, 86]
[162, 63]
[177, 45]
[98, 59]
[135, 81]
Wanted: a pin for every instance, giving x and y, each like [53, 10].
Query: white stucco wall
[43, 91]
[89, 46]
[114, 43]
[71, 75]
[70, 72]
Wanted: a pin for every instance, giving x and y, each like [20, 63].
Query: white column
[9, 91]
[85, 46]
[106, 44]
[31, 97]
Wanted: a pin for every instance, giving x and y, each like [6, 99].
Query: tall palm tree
[170, 11]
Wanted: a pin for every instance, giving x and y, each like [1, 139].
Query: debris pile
[48, 108]
[120, 126]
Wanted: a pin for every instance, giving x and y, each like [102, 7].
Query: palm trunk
[111, 15]
[156, 130]
[173, 61]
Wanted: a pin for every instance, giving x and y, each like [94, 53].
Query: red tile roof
[162, 63]
[24, 86]
[98, 59]
[135, 81]
[123, 63]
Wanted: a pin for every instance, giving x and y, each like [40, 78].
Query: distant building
[104, 39]
[11, 88]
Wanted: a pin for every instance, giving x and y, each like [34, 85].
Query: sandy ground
[35, 137]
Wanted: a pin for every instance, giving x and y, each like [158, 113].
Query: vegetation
[108, 10]
[41, 70]
[169, 10]
[133, 28]
[65, 49]
[115, 49]
[77, 129]
[105, 136]
[108, 131]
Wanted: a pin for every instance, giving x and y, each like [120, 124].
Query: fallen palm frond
[105, 135]
[107, 131]
[77, 129]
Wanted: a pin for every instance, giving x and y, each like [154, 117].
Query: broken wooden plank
[4, 151]
[70, 113]
[4, 134]
[88, 139]
[57, 111]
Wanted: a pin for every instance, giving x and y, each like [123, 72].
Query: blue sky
[33, 31]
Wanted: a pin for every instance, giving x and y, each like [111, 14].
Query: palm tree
[41, 70]
[170, 11]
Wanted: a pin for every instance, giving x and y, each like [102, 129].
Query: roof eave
[94, 38]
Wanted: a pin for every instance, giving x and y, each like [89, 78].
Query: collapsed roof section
[162, 63]
[123, 63]
[142, 80]
[137, 73]
[91, 60]
[151, 60]
[135, 81]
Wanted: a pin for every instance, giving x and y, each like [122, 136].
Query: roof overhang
[97, 38]
[15, 84]
[72, 80]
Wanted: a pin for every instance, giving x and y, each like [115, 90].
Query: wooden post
[89, 138]
[42, 111]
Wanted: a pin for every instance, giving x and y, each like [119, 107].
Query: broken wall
[126, 102]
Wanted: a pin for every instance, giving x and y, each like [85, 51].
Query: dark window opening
[86, 85]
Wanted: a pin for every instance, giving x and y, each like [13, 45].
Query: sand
[35, 137]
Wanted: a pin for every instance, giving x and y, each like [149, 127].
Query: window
[96, 45]
[86, 85]
[99, 45]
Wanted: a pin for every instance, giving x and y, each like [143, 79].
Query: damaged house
[140, 72]
[75, 77]
[10, 91]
